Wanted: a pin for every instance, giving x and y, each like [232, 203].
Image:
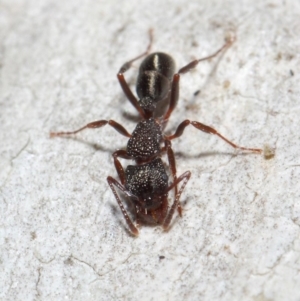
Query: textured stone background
[62, 236]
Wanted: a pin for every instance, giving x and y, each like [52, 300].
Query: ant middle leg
[209, 130]
[119, 168]
[176, 78]
[124, 85]
[94, 125]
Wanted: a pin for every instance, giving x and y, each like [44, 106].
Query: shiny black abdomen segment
[160, 62]
[155, 75]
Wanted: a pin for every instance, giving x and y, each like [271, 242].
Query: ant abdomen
[154, 79]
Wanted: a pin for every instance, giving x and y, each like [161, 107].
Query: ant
[145, 184]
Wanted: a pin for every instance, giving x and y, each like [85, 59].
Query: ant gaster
[145, 184]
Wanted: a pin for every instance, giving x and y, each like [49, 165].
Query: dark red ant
[145, 184]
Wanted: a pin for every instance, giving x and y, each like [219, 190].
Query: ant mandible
[145, 184]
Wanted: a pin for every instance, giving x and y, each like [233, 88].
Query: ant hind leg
[123, 83]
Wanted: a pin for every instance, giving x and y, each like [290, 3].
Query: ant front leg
[176, 78]
[209, 130]
[184, 177]
[94, 125]
[112, 184]
[127, 91]
[172, 164]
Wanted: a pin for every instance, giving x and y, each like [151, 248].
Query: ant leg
[193, 64]
[121, 173]
[209, 130]
[172, 164]
[173, 96]
[118, 166]
[127, 91]
[184, 177]
[112, 182]
[93, 125]
[163, 210]
[128, 64]
[176, 78]
[130, 96]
